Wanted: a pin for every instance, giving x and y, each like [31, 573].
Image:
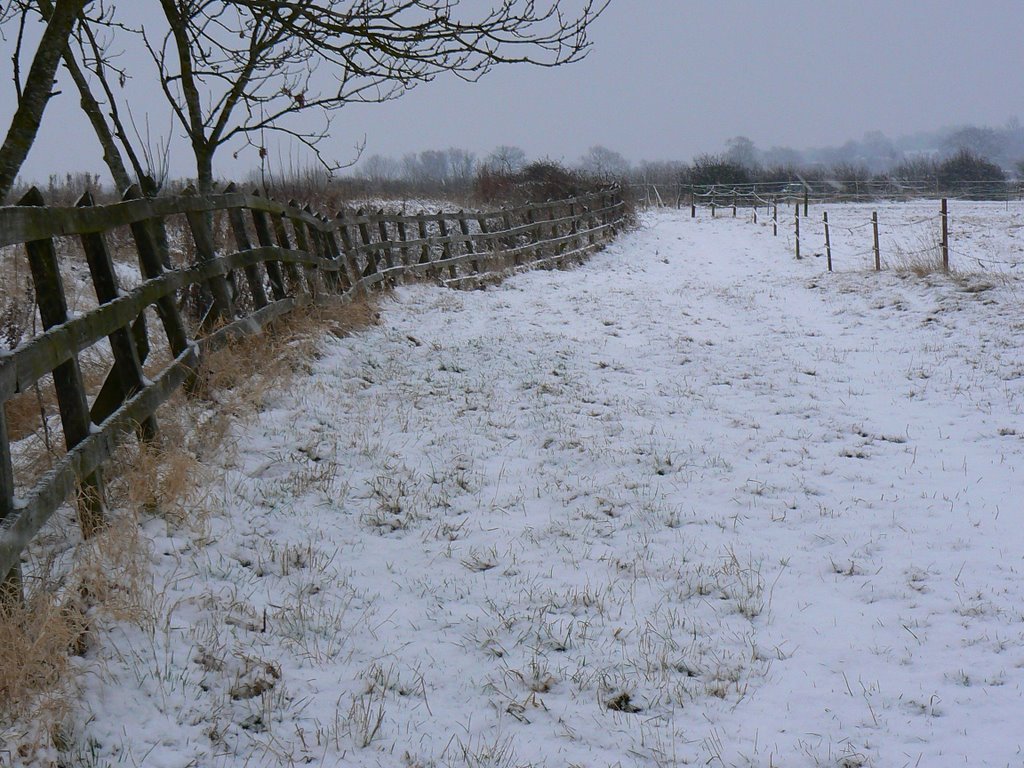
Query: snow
[694, 502]
[981, 233]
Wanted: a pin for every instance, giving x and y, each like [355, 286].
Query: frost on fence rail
[215, 268]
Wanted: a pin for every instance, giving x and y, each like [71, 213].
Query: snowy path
[693, 502]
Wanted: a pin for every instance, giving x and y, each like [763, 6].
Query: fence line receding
[248, 260]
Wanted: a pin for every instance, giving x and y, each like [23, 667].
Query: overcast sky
[668, 79]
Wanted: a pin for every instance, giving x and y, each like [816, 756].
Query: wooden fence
[281, 257]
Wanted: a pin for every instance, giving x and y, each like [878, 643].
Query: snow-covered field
[693, 503]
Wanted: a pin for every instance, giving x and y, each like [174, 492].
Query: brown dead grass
[39, 640]
[919, 265]
[165, 478]
[923, 260]
[238, 377]
[35, 641]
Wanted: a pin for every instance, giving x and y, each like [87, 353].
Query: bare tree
[604, 163]
[379, 169]
[741, 151]
[234, 70]
[461, 166]
[505, 159]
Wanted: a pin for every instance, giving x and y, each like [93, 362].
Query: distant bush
[916, 169]
[538, 181]
[716, 169]
[970, 174]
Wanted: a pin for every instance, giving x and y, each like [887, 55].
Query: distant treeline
[982, 159]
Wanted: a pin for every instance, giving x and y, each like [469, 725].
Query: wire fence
[817, 192]
[921, 235]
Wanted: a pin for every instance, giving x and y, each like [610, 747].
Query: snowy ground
[692, 503]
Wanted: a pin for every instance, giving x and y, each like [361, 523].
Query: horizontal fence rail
[280, 257]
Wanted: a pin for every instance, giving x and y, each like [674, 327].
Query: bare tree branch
[234, 68]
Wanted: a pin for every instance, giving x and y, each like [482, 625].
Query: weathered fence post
[243, 243]
[291, 269]
[807, 200]
[487, 246]
[347, 276]
[67, 377]
[403, 238]
[11, 592]
[613, 215]
[363, 226]
[576, 244]
[421, 228]
[266, 240]
[508, 242]
[775, 218]
[385, 239]
[307, 241]
[202, 236]
[796, 224]
[590, 222]
[470, 249]
[874, 228]
[150, 245]
[541, 234]
[533, 227]
[945, 235]
[446, 246]
[348, 245]
[828, 241]
[555, 233]
[125, 377]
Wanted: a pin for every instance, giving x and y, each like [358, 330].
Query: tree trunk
[93, 110]
[204, 168]
[37, 92]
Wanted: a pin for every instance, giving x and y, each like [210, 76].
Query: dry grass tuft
[39, 639]
[33, 417]
[238, 376]
[24, 411]
[922, 261]
[167, 477]
[919, 265]
[36, 641]
[112, 577]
